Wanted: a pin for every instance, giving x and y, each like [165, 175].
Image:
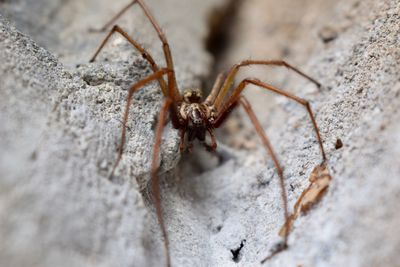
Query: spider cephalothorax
[195, 116]
[192, 115]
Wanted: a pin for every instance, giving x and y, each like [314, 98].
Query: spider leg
[119, 14]
[182, 142]
[235, 68]
[173, 91]
[159, 130]
[215, 89]
[267, 145]
[145, 54]
[132, 90]
[213, 146]
[154, 178]
[232, 101]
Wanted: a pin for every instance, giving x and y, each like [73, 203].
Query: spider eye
[192, 96]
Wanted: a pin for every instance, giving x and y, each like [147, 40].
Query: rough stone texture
[59, 133]
[60, 127]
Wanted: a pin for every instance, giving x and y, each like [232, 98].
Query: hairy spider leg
[182, 133]
[233, 101]
[154, 166]
[132, 90]
[172, 85]
[213, 145]
[238, 90]
[267, 145]
[215, 89]
[138, 47]
[235, 68]
[209, 147]
[154, 178]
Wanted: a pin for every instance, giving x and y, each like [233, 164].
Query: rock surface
[60, 125]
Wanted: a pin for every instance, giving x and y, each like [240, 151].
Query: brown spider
[195, 116]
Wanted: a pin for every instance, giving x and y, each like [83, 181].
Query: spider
[195, 116]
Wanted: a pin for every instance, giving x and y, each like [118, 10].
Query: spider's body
[196, 117]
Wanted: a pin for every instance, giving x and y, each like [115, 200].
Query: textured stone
[60, 125]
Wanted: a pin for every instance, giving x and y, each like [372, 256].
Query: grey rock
[60, 126]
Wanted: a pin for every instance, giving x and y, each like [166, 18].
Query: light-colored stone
[60, 125]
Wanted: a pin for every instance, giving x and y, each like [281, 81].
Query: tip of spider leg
[277, 248]
[110, 177]
[319, 86]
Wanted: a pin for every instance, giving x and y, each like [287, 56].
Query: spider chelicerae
[195, 116]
